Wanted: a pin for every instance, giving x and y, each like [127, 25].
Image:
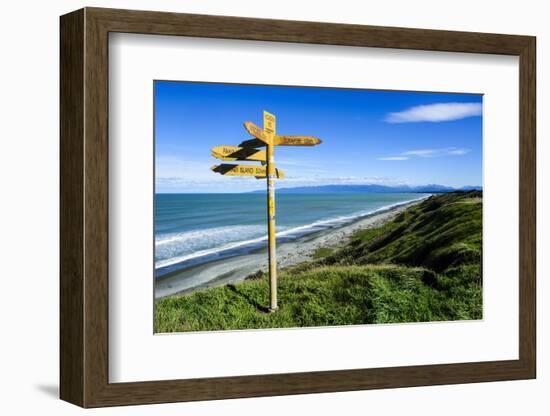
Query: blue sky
[369, 136]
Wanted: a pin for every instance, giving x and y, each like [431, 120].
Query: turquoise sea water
[192, 229]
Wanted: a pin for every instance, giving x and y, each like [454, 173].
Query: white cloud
[175, 174]
[394, 158]
[446, 151]
[339, 180]
[435, 113]
[245, 184]
[226, 184]
[458, 152]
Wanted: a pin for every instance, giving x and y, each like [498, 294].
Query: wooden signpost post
[248, 151]
[270, 128]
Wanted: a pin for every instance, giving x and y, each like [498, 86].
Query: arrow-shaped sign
[296, 141]
[252, 143]
[245, 170]
[257, 132]
[238, 153]
[284, 141]
[269, 123]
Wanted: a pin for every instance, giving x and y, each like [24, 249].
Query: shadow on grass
[259, 308]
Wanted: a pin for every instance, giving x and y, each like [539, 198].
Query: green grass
[422, 266]
[440, 233]
[322, 252]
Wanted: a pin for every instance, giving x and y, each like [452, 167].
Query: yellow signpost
[253, 143]
[297, 141]
[270, 128]
[245, 170]
[247, 150]
[238, 153]
[259, 133]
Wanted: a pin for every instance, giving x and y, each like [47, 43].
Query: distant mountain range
[432, 188]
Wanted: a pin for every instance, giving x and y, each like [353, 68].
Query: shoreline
[236, 269]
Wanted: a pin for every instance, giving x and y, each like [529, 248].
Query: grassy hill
[425, 265]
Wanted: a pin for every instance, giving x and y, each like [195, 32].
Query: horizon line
[453, 188]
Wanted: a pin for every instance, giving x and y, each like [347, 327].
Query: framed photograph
[255, 207]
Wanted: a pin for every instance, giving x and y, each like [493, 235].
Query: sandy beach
[237, 268]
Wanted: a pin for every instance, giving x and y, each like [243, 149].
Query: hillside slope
[442, 234]
[425, 265]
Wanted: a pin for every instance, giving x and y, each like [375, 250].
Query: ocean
[192, 229]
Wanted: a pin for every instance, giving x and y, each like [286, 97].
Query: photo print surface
[292, 207]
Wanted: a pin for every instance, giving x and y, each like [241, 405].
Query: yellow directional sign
[257, 132]
[248, 150]
[245, 170]
[296, 141]
[284, 141]
[253, 143]
[269, 123]
[238, 153]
